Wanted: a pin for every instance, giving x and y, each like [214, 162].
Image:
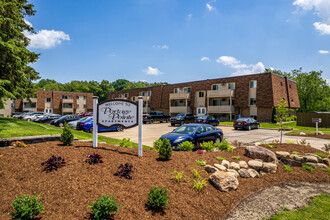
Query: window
[232, 102]
[85, 97]
[187, 90]
[46, 110]
[231, 85]
[67, 105]
[30, 105]
[84, 105]
[253, 101]
[176, 90]
[253, 84]
[66, 97]
[216, 87]
[77, 96]
[281, 83]
[50, 111]
[291, 100]
[216, 102]
[290, 86]
[141, 94]
[149, 93]
[48, 99]
[113, 96]
[77, 105]
[201, 94]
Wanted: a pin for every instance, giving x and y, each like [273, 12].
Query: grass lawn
[318, 209]
[10, 127]
[296, 129]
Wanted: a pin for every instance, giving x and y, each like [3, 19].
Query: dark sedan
[47, 118]
[196, 133]
[67, 118]
[246, 123]
[207, 119]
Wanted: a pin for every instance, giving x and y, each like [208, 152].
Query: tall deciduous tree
[15, 73]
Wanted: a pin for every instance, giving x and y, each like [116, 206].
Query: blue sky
[178, 40]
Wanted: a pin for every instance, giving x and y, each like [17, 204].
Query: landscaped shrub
[197, 173]
[53, 163]
[186, 146]
[157, 144]
[179, 176]
[208, 146]
[125, 142]
[93, 159]
[199, 184]
[295, 152]
[125, 170]
[18, 144]
[27, 207]
[224, 146]
[236, 157]
[67, 135]
[321, 155]
[308, 167]
[165, 150]
[221, 158]
[201, 162]
[158, 198]
[287, 168]
[290, 141]
[104, 207]
[327, 170]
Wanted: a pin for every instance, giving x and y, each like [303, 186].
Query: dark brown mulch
[68, 191]
[325, 136]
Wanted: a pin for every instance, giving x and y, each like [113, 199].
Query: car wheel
[172, 124]
[90, 130]
[29, 119]
[236, 128]
[61, 125]
[151, 121]
[144, 122]
[120, 128]
[249, 128]
[217, 140]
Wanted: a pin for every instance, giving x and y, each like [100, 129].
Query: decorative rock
[225, 163]
[282, 154]
[291, 163]
[234, 166]
[210, 169]
[257, 152]
[254, 164]
[244, 173]
[233, 171]
[302, 133]
[319, 159]
[317, 165]
[220, 167]
[243, 164]
[253, 173]
[269, 167]
[262, 173]
[311, 159]
[224, 181]
[297, 157]
[320, 133]
[326, 161]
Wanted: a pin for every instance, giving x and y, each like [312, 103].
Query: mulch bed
[68, 191]
[325, 136]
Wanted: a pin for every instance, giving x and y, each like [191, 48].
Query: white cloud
[209, 6]
[323, 51]
[27, 22]
[328, 81]
[321, 8]
[241, 68]
[152, 71]
[160, 46]
[205, 59]
[189, 17]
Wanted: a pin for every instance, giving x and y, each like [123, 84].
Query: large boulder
[312, 159]
[224, 181]
[220, 167]
[317, 165]
[319, 159]
[257, 152]
[225, 163]
[291, 163]
[210, 169]
[234, 166]
[282, 154]
[254, 164]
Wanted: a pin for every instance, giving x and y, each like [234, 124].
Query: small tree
[165, 150]
[67, 136]
[283, 114]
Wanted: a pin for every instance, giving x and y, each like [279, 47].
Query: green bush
[165, 150]
[103, 207]
[295, 152]
[224, 146]
[236, 157]
[157, 144]
[67, 135]
[201, 162]
[186, 146]
[158, 198]
[221, 158]
[321, 155]
[327, 170]
[125, 142]
[308, 167]
[287, 168]
[208, 146]
[27, 207]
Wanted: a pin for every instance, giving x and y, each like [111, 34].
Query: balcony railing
[220, 93]
[180, 109]
[181, 95]
[67, 110]
[67, 100]
[221, 109]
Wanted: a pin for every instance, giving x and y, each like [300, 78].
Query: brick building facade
[57, 102]
[225, 98]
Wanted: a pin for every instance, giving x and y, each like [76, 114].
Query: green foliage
[103, 207]
[201, 162]
[221, 158]
[27, 207]
[157, 144]
[236, 157]
[179, 176]
[125, 142]
[199, 184]
[186, 146]
[16, 73]
[327, 170]
[321, 155]
[307, 167]
[283, 114]
[158, 198]
[67, 135]
[287, 168]
[290, 141]
[197, 173]
[295, 152]
[165, 150]
[208, 146]
[224, 146]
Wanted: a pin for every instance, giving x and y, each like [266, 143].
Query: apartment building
[224, 98]
[8, 108]
[57, 102]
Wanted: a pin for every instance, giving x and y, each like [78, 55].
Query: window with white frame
[253, 84]
[216, 87]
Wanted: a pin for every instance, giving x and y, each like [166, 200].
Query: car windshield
[202, 117]
[185, 129]
[180, 115]
[242, 119]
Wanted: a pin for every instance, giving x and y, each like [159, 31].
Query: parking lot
[152, 132]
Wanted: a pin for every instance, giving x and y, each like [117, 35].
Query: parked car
[86, 114]
[66, 118]
[196, 133]
[207, 119]
[17, 114]
[246, 123]
[47, 118]
[182, 119]
[155, 116]
[73, 124]
[33, 116]
[87, 126]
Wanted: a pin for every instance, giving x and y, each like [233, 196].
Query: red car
[85, 114]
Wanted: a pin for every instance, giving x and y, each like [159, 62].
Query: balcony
[67, 110]
[220, 93]
[67, 100]
[181, 95]
[146, 98]
[180, 109]
[221, 109]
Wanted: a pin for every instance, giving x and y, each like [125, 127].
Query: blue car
[207, 119]
[196, 133]
[87, 126]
